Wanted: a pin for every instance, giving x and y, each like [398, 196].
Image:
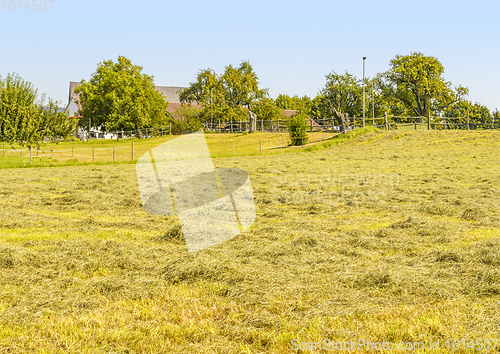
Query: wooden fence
[437, 123]
[130, 151]
[385, 122]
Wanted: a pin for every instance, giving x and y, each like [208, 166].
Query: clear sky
[292, 45]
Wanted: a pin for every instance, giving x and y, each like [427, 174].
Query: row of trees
[413, 86]
[26, 119]
[119, 96]
[229, 95]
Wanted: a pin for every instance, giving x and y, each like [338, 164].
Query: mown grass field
[386, 236]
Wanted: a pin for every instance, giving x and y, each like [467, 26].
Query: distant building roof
[171, 93]
[173, 106]
[73, 108]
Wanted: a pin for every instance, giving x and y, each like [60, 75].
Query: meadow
[73, 153]
[382, 235]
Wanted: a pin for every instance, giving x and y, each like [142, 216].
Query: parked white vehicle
[95, 134]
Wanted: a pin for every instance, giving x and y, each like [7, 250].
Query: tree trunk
[139, 134]
[341, 119]
[253, 121]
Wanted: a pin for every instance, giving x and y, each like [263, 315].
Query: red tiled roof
[173, 106]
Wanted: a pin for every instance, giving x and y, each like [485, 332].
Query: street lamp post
[373, 104]
[364, 59]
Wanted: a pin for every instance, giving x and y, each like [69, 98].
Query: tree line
[119, 96]
[413, 86]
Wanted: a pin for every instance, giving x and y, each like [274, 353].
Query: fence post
[219, 125]
[21, 151]
[132, 151]
[51, 153]
[332, 125]
[72, 151]
[278, 126]
[415, 125]
[260, 146]
[93, 148]
[170, 127]
[385, 121]
[428, 120]
[262, 125]
[467, 119]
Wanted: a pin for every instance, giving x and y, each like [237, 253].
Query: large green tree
[343, 93]
[225, 96]
[416, 81]
[120, 97]
[342, 97]
[241, 85]
[205, 91]
[25, 119]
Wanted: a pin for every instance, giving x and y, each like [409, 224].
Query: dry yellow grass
[411, 253]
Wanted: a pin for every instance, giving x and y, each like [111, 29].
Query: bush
[298, 129]
[186, 119]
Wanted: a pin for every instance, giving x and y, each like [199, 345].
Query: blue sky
[291, 45]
